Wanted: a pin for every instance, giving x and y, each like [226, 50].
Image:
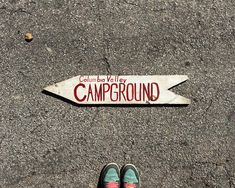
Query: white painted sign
[109, 89]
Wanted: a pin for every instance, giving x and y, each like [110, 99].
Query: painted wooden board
[110, 89]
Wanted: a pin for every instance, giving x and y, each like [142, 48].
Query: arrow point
[52, 88]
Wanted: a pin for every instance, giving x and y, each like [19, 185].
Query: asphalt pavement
[46, 142]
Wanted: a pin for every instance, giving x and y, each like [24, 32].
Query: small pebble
[49, 49]
[28, 37]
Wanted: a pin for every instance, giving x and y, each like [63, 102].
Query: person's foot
[110, 176]
[129, 177]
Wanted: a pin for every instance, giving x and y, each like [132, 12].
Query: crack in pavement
[108, 66]
[106, 48]
[20, 10]
[209, 105]
[12, 11]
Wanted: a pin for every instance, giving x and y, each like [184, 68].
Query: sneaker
[130, 177]
[110, 176]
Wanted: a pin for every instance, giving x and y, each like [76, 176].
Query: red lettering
[154, 98]
[108, 78]
[80, 79]
[138, 93]
[117, 92]
[76, 93]
[111, 93]
[121, 91]
[105, 90]
[146, 92]
[98, 94]
[90, 93]
[128, 92]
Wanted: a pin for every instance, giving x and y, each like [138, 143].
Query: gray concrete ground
[46, 142]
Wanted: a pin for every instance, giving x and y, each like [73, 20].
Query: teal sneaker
[130, 177]
[110, 176]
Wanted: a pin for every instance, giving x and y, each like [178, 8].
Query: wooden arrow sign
[111, 89]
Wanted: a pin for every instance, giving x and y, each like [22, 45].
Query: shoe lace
[129, 185]
[112, 185]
